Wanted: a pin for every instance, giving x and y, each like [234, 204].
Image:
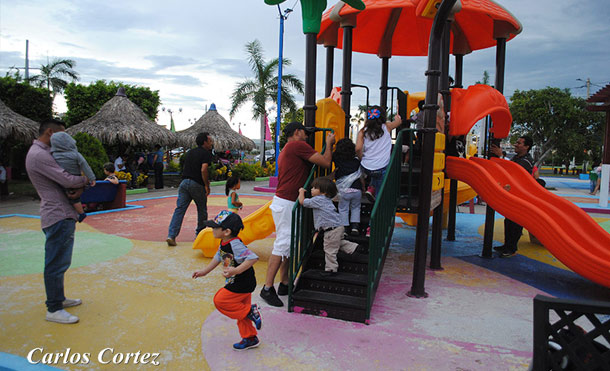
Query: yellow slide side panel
[430, 9]
[439, 161]
[464, 193]
[329, 115]
[412, 101]
[438, 180]
[439, 143]
[257, 225]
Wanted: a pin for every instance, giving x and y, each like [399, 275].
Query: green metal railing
[301, 240]
[382, 218]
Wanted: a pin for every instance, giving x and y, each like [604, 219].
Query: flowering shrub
[124, 176]
[141, 180]
[218, 172]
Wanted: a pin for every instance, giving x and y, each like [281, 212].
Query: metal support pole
[279, 92]
[453, 184]
[437, 216]
[309, 107]
[346, 82]
[425, 181]
[27, 61]
[489, 212]
[383, 88]
[330, 62]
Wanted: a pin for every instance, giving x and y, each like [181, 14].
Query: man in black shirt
[512, 230]
[195, 186]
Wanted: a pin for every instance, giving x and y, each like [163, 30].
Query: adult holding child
[294, 163]
[195, 186]
[374, 147]
[57, 218]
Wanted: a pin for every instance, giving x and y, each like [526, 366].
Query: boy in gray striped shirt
[326, 219]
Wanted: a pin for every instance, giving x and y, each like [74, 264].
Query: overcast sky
[193, 51]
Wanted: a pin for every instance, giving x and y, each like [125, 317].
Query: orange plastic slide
[563, 228]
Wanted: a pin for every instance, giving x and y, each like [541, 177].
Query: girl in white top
[374, 146]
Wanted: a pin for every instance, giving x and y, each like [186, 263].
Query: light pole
[172, 127]
[279, 85]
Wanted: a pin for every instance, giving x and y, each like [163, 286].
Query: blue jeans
[189, 190]
[57, 258]
[376, 177]
[349, 202]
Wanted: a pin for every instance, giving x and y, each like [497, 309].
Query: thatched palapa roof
[122, 122]
[225, 138]
[16, 127]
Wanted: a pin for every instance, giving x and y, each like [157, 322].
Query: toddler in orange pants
[234, 299]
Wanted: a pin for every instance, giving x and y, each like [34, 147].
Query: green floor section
[606, 225]
[22, 251]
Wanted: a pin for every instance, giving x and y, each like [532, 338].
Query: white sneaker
[71, 303]
[61, 316]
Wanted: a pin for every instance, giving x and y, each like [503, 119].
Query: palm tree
[52, 75]
[263, 88]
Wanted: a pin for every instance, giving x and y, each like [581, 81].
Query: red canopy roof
[393, 27]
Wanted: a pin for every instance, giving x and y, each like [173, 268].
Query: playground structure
[350, 296]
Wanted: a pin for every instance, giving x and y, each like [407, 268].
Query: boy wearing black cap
[234, 299]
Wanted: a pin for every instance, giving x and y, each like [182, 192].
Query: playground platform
[138, 296]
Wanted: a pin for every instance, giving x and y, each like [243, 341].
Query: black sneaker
[255, 316]
[270, 297]
[362, 249]
[354, 229]
[282, 290]
[247, 343]
[507, 254]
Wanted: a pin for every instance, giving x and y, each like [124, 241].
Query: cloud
[166, 61]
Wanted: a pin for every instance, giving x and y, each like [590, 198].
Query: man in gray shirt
[57, 219]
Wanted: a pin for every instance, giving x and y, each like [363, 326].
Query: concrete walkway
[138, 297]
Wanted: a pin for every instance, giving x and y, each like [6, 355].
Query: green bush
[93, 151]
[172, 167]
[246, 171]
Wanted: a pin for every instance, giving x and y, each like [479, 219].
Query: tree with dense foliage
[93, 151]
[84, 101]
[26, 100]
[262, 88]
[558, 123]
[54, 74]
[485, 80]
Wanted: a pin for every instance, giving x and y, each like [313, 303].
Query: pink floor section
[469, 322]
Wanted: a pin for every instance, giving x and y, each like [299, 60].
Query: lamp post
[172, 127]
[283, 17]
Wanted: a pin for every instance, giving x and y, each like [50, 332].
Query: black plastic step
[356, 257]
[361, 240]
[342, 283]
[340, 277]
[326, 298]
[317, 262]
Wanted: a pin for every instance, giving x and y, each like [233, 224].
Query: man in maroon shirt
[57, 219]
[294, 163]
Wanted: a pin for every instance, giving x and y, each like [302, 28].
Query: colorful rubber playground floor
[138, 296]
